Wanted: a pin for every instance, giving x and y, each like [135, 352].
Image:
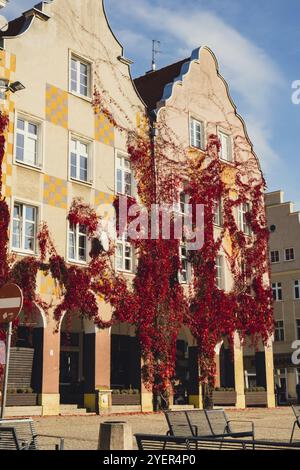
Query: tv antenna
[155, 52]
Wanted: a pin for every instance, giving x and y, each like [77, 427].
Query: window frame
[37, 208]
[241, 219]
[220, 267]
[222, 132]
[296, 286]
[90, 160]
[274, 251]
[77, 259]
[279, 330]
[285, 253]
[85, 61]
[193, 119]
[124, 157]
[184, 279]
[39, 123]
[276, 288]
[298, 328]
[122, 241]
[219, 212]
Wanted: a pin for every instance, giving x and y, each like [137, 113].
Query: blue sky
[257, 44]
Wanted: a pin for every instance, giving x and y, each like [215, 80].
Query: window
[124, 254]
[297, 290]
[124, 178]
[219, 272]
[279, 331]
[80, 77]
[217, 213]
[79, 160]
[77, 243]
[24, 227]
[274, 256]
[243, 224]
[197, 134]
[27, 142]
[277, 291]
[226, 150]
[289, 254]
[298, 328]
[184, 275]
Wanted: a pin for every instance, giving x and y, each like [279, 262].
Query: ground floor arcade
[101, 370]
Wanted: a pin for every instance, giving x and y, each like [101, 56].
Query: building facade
[59, 149]
[189, 102]
[284, 225]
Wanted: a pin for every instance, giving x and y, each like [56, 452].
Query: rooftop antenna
[155, 52]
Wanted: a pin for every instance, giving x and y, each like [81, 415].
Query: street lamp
[6, 85]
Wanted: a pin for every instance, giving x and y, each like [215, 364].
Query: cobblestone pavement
[81, 432]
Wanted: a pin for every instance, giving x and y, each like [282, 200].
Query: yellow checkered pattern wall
[104, 130]
[7, 70]
[57, 106]
[55, 192]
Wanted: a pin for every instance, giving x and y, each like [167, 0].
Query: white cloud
[250, 72]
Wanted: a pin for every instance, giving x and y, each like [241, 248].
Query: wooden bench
[147, 442]
[26, 433]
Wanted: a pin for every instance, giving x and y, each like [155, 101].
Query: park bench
[9, 439]
[296, 410]
[204, 423]
[147, 442]
[26, 433]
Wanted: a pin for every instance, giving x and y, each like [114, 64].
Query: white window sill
[77, 263]
[88, 99]
[36, 168]
[123, 271]
[20, 252]
[82, 183]
[200, 149]
[289, 260]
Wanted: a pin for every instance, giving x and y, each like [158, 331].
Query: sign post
[11, 303]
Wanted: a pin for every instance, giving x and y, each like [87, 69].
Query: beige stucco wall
[42, 59]
[287, 235]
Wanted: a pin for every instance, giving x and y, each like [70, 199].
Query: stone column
[146, 397]
[270, 374]
[239, 373]
[218, 365]
[97, 364]
[49, 398]
[195, 387]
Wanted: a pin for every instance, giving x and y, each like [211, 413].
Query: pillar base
[147, 402]
[90, 402]
[271, 400]
[196, 401]
[50, 404]
[240, 401]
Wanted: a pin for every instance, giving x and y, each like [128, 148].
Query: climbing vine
[156, 303]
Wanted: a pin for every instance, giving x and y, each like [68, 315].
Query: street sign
[11, 303]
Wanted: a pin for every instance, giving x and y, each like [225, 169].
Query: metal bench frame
[10, 434]
[191, 443]
[190, 429]
[28, 425]
[296, 410]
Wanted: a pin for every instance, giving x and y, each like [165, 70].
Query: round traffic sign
[11, 303]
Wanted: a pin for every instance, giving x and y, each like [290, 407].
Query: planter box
[22, 399]
[222, 398]
[123, 400]
[256, 399]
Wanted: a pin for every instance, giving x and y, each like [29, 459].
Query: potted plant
[256, 396]
[224, 396]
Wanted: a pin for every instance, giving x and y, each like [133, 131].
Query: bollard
[115, 435]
